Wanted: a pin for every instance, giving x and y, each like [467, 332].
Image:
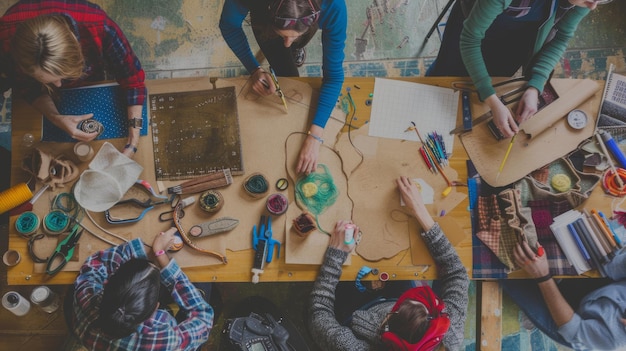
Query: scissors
[148, 204]
[64, 251]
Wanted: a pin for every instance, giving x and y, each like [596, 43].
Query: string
[350, 126]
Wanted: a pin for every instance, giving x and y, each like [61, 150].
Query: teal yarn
[256, 184]
[325, 196]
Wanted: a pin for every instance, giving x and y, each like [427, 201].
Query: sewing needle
[278, 90]
[450, 184]
[506, 156]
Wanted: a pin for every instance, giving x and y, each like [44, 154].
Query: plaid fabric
[104, 46]
[160, 331]
[543, 213]
[485, 264]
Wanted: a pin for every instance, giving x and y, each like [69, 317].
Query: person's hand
[163, 240]
[131, 143]
[337, 238]
[502, 117]
[413, 201]
[309, 152]
[69, 124]
[536, 266]
[262, 82]
[527, 105]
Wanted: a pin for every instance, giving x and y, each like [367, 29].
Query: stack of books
[587, 239]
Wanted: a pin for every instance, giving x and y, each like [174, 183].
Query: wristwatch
[135, 122]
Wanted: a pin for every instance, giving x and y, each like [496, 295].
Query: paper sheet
[398, 103]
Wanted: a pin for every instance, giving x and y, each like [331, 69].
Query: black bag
[256, 324]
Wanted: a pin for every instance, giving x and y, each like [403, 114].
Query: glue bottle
[15, 303]
[349, 233]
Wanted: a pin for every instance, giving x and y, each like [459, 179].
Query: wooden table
[27, 120]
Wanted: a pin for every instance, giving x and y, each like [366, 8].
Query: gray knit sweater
[363, 333]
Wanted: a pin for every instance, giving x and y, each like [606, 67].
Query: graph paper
[397, 103]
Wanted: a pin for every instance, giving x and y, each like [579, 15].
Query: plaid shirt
[104, 47]
[160, 331]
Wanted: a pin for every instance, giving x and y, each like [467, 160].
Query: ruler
[467, 111]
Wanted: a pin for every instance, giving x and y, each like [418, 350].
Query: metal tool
[146, 205]
[545, 98]
[278, 89]
[64, 251]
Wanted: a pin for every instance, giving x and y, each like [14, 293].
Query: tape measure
[577, 119]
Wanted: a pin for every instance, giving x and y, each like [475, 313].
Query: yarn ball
[561, 182]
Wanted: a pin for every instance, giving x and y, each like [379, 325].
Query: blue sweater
[596, 324]
[333, 23]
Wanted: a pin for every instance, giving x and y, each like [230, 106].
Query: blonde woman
[47, 45]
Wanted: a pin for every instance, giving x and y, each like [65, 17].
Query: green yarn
[323, 198]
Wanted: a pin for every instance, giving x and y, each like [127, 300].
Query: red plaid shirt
[105, 48]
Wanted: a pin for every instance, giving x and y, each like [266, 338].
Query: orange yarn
[14, 196]
[611, 186]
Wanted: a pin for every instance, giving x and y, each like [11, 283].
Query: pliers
[64, 251]
[153, 200]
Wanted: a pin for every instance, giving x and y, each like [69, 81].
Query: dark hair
[410, 321]
[130, 297]
[295, 9]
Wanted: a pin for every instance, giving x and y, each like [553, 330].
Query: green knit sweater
[363, 333]
[480, 19]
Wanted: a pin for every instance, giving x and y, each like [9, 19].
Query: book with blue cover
[106, 101]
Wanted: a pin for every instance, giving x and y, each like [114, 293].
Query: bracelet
[128, 146]
[544, 278]
[315, 137]
[159, 253]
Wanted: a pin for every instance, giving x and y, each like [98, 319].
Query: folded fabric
[104, 183]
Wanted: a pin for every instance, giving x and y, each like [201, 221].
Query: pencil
[506, 156]
[447, 190]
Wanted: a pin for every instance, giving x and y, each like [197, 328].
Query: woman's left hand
[337, 238]
[527, 106]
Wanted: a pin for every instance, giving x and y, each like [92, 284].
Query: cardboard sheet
[542, 139]
[386, 228]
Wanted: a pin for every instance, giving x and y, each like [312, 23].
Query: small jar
[46, 299]
[15, 303]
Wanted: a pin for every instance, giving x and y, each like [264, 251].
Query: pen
[278, 90]
[603, 228]
[579, 243]
[608, 225]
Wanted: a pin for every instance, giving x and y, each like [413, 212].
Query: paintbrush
[506, 156]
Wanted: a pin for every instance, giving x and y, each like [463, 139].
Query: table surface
[238, 269]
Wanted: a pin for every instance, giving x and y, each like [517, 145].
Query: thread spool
[177, 245]
[211, 201]
[349, 234]
[44, 298]
[277, 204]
[14, 196]
[256, 185]
[11, 258]
[56, 222]
[83, 151]
[15, 303]
[27, 223]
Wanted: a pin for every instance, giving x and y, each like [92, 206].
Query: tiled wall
[181, 39]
